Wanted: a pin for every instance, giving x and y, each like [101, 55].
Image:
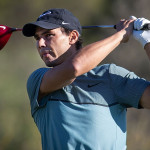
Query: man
[76, 104]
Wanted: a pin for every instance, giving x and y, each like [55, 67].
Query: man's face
[52, 44]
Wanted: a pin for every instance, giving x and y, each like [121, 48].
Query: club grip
[145, 27]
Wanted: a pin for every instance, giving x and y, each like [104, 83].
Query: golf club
[5, 33]
[145, 27]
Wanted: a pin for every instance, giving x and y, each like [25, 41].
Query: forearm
[83, 60]
[147, 49]
[145, 99]
[79, 63]
[91, 55]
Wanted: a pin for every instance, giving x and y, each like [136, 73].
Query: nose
[41, 42]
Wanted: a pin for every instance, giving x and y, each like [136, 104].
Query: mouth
[47, 54]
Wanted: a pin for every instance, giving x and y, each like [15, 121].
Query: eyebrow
[45, 32]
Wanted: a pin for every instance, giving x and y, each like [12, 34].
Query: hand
[141, 35]
[140, 22]
[127, 27]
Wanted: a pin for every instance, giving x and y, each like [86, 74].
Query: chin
[50, 64]
[53, 63]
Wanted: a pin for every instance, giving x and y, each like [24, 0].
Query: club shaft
[145, 27]
[16, 29]
[99, 26]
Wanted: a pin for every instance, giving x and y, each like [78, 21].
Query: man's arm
[144, 38]
[145, 99]
[147, 49]
[84, 60]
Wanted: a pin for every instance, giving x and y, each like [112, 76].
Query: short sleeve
[33, 86]
[128, 87]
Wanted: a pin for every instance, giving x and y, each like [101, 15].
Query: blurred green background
[19, 58]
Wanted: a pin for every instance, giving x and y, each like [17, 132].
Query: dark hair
[79, 41]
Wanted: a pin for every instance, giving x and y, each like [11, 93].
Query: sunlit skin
[54, 46]
[67, 62]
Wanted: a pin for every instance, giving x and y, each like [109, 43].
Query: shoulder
[36, 76]
[118, 70]
[109, 69]
[113, 72]
[34, 81]
[101, 69]
[37, 73]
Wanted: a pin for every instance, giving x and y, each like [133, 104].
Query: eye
[36, 38]
[49, 35]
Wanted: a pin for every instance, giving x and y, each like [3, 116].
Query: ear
[73, 37]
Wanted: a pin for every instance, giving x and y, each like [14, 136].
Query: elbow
[77, 68]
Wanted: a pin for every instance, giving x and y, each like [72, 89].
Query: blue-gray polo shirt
[90, 113]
